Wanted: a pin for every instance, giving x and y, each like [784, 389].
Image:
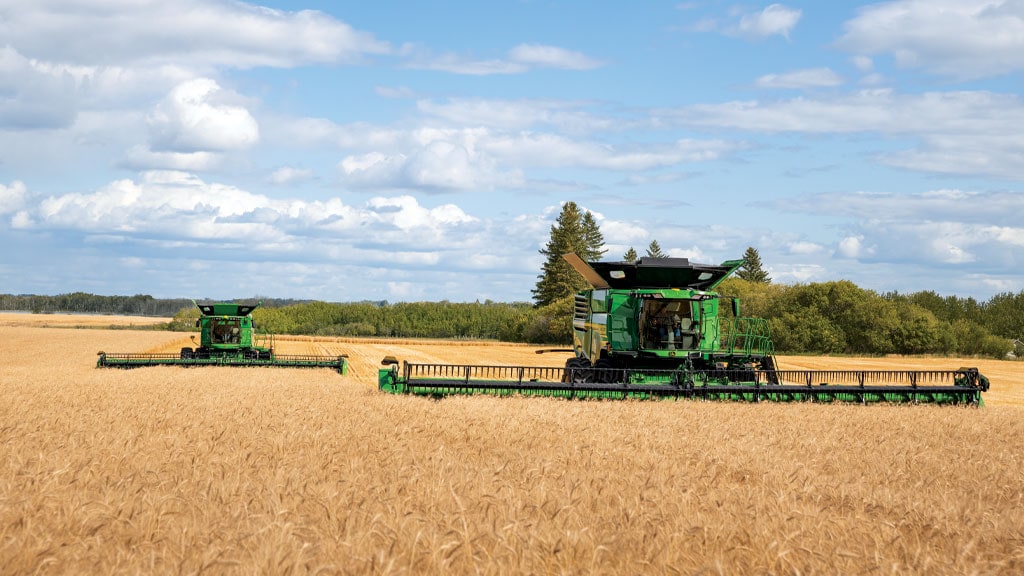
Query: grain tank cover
[664, 273]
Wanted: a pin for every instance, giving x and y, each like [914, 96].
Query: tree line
[820, 318]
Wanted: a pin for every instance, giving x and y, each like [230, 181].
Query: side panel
[623, 316]
[710, 326]
[597, 324]
[205, 331]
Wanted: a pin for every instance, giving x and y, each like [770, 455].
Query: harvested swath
[249, 470]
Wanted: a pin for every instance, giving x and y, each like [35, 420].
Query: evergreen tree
[630, 255]
[654, 250]
[751, 269]
[576, 232]
[593, 239]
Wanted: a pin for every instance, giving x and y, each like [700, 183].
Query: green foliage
[806, 330]
[756, 298]
[551, 324]
[630, 255]
[1003, 315]
[185, 319]
[918, 331]
[751, 269]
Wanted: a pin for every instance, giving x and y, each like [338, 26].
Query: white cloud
[140, 157]
[805, 248]
[810, 78]
[863, 63]
[934, 228]
[289, 175]
[966, 132]
[957, 38]
[13, 197]
[552, 57]
[1001, 208]
[775, 19]
[168, 210]
[405, 213]
[853, 247]
[195, 33]
[799, 273]
[438, 165]
[623, 232]
[518, 60]
[567, 116]
[32, 96]
[197, 116]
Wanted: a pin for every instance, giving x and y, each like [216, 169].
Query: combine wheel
[186, 353]
[607, 372]
[578, 371]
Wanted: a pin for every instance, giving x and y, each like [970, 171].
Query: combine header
[227, 338]
[653, 329]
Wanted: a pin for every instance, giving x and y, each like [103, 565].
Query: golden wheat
[174, 470]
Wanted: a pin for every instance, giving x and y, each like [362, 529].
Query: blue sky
[421, 151]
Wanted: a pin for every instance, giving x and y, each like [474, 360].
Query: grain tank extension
[656, 328]
[227, 337]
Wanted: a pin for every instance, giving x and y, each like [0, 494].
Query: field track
[260, 470]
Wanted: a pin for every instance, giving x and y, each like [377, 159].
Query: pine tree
[751, 269]
[576, 232]
[630, 255]
[593, 239]
[654, 250]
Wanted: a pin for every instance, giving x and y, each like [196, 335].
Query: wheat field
[277, 471]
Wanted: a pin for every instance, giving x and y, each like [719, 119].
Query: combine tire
[607, 372]
[186, 353]
[579, 371]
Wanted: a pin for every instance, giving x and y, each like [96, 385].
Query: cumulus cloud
[439, 166]
[13, 197]
[197, 116]
[853, 247]
[957, 38]
[172, 210]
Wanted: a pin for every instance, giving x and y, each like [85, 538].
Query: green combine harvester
[227, 337]
[655, 329]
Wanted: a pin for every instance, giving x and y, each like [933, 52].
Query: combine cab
[227, 337]
[654, 329]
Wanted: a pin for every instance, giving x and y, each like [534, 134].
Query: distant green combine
[227, 337]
